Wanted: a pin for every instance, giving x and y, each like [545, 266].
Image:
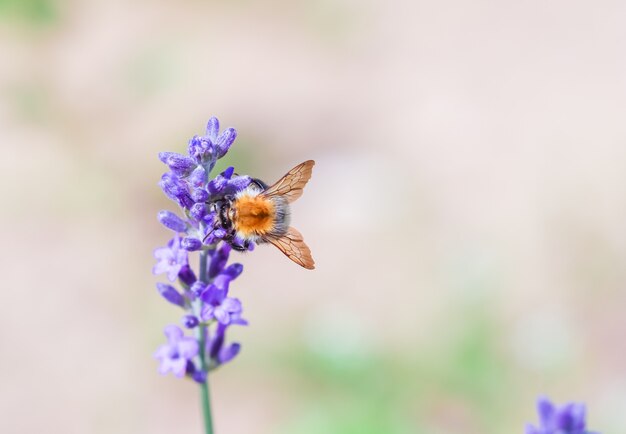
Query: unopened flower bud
[170, 294]
[198, 211]
[224, 141]
[178, 163]
[171, 221]
[200, 195]
[189, 321]
[198, 288]
[191, 244]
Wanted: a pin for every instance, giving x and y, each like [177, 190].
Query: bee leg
[238, 247]
[232, 240]
[213, 229]
[208, 235]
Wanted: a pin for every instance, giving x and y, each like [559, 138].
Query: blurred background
[467, 212]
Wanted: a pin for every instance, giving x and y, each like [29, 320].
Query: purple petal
[163, 253]
[165, 366]
[579, 412]
[546, 411]
[178, 366]
[181, 255]
[236, 319]
[532, 430]
[173, 333]
[206, 314]
[571, 417]
[221, 315]
[187, 348]
[160, 267]
[172, 272]
[231, 305]
[163, 351]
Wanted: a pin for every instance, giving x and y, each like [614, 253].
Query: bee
[261, 214]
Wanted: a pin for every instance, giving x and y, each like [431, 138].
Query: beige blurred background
[467, 212]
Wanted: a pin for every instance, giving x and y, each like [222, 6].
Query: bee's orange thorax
[254, 215]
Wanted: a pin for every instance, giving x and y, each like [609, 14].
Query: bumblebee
[261, 214]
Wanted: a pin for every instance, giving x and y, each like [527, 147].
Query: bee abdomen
[282, 216]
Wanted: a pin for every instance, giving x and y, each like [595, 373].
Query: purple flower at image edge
[566, 419]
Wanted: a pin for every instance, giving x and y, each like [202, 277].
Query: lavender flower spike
[566, 419]
[203, 292]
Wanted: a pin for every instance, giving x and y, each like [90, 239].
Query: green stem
[201, 334]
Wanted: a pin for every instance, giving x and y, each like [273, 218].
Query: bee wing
[292, 245]
[290, 186]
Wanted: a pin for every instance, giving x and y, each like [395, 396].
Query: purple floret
[565, 419]
[177, 352]
[171, 259]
